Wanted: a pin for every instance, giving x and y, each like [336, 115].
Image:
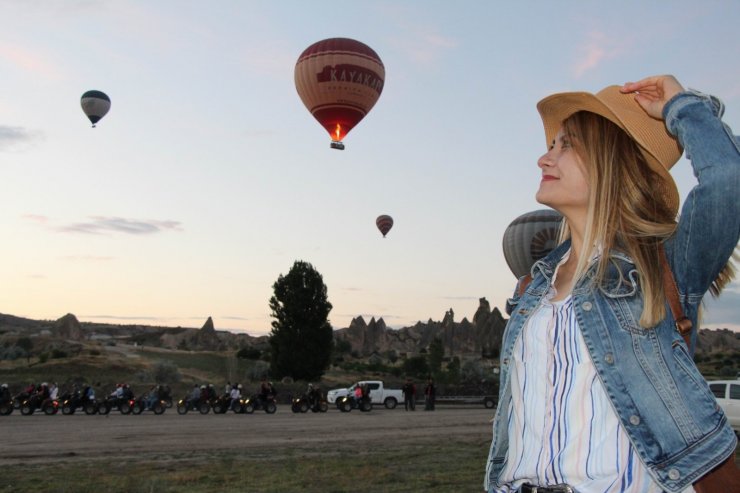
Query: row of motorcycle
[70, 403]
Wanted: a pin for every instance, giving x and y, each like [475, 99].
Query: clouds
[101, 225]
[16, 138]
[597, 49]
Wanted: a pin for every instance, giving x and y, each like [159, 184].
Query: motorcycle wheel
[137, 409]
[204, 408]
[365, 406]
[295, 408]
[90, 409]
[125, 408]
[270, 408]
[249, 408]
[50, 410]
[345, 406]
[159, 408]
[6, 408]
[26, 409]
[323, 407]
[67, 409]
[103, 409]
[168, 402]
[182, 409]
[218, 409]
[304, 407]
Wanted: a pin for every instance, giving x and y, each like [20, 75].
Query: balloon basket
[335, 144]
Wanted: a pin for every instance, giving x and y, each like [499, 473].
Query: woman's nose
[544, 160]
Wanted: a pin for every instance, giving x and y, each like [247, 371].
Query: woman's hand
[652, 93]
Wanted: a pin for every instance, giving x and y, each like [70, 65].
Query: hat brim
[660, 149]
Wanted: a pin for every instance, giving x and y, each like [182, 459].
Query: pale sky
[208, 178]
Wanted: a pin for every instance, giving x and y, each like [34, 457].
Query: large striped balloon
[529, 238]
[339, 80]
[95, 104]
[384, 223]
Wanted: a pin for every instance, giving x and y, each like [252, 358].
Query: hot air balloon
[384, 224]
[339, 80]
[529, 238]
[95, 104]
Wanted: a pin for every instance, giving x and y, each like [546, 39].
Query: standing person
[598, 389]
[430, 395]
[409, 395]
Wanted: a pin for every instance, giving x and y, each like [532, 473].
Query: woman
[599, 391]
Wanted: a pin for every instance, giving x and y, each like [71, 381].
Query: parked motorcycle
[6, 403]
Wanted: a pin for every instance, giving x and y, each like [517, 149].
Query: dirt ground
[41, 439]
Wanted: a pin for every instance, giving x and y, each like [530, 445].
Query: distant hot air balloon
[339, 80]
[95, 104]
[384, 224]
[529, 238]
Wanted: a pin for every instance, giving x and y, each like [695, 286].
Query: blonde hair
[624, 210]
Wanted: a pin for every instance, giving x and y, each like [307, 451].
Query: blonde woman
[599, 392]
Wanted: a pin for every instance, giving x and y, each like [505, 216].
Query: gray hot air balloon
[384, 223]
[95, 104]
[529, 238]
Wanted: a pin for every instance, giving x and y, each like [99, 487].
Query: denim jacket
[663, 402]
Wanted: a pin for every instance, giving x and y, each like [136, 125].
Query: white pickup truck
[379, 394]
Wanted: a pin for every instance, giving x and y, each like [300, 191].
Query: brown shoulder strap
[523, 283]
[683, 324]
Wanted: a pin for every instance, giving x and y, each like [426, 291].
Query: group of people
[409, 395]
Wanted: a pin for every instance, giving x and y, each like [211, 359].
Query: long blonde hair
[624, 211]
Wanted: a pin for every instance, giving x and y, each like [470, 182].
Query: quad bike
[347, 404]
[140, 405]
[124, 406]
[304, 403]
[184, 405]
[48, 406]
[72, 401]
[257, 402]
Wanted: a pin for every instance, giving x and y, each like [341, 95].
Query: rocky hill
[479, 337]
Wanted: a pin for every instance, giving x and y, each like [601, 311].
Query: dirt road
[40, 439]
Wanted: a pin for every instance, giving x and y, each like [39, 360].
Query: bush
[249, 353]
[58, 353]
[166, 372]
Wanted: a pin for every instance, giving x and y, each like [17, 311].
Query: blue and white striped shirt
[562, 428]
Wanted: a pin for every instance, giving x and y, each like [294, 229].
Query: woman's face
[564, 185]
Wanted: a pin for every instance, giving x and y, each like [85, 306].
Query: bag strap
[683, 324]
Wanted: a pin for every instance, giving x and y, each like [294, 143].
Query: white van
[727, 393]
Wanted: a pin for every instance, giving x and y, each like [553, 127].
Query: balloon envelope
[339, 80]
[384, 224]
[95, 104]
[529, 238]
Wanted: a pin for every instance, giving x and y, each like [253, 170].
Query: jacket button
[674, 474]
[635, 420]
[609, 358]
[586, 306]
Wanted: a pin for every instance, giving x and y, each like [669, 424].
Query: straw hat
[660, 149]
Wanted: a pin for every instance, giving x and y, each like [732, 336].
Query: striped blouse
[562, 428]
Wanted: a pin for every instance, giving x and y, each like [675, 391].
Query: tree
[301, 336]
[26, 345]
[435, 356]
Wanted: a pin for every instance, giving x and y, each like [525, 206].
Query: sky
[209, 178]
